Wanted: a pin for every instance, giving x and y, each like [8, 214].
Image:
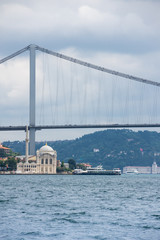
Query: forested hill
[111, 148]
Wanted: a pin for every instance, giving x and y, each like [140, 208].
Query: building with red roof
[4, 149]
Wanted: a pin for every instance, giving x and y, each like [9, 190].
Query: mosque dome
[46, 149]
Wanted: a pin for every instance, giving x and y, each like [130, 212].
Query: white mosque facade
[46, 162]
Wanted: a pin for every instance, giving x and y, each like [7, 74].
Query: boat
[132, 172]
[78, 171]
[117, 170]
[97, 171]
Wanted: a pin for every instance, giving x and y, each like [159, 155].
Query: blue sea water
[79, 207]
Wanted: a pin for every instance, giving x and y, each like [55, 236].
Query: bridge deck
[39, 127]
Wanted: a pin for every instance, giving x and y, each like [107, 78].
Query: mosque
[45, 161]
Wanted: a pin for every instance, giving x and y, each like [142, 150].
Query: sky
[117, 34]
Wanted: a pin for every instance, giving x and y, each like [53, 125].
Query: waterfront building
[22, 158]
[154, 169]
[87, 165]
[45, 162]
[23, 168]
[66, 165]
[4, 149]
[58, 163]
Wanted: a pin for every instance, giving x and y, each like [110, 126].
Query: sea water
[79, 207]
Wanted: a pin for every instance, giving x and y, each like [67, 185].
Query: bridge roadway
[40, 127]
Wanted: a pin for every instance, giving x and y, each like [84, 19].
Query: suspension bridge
[33, 126]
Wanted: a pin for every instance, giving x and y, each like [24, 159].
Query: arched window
[46, 160]
[42, 161]
[50, 160]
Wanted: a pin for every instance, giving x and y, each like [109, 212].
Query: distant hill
[111, 148]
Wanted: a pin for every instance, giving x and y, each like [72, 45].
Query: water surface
[79, 207]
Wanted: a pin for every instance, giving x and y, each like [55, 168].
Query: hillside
[111, 148]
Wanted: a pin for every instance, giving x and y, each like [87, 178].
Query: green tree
[12, 163]
[2, 153]
[2, 165]
[72, 164]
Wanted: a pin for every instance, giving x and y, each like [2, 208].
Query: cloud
[114, 26]
[120, 35]
[14, 81]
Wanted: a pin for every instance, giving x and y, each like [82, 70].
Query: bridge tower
[32, 104]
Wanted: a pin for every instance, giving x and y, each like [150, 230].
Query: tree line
[116, 148]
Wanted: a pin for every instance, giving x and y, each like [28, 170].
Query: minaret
[27, 141]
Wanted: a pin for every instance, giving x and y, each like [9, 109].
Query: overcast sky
[121, 35]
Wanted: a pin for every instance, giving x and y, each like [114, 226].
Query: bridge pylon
[32, 116]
